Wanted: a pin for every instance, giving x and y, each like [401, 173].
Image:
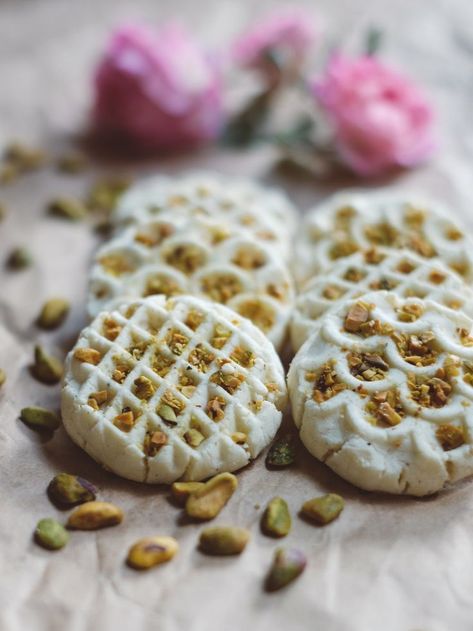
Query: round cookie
[265, 213]
[357, 221]
[158, 390]
[195, 256]
[400, 271]
[382, 392]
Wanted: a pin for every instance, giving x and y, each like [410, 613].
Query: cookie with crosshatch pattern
[163, 389]
[265, 213]
[355, 221]
[382, 392]
[400, 271]
[196, 256]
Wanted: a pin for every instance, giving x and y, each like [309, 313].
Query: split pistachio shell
[282, 453]
[40, 419]
[53, 313]
[323, 509]
[46, 368]
[151, 551]
[276, 520]
[288, 564]
[50, 534]
[95, 515]
[67, 489]
[223, 540]
[207, 502]
[180, 491]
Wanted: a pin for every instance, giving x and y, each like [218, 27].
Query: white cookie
[382, 392]
[400, 271]
[356, 221]
[265, 213]
[178, 255]
[159, 390]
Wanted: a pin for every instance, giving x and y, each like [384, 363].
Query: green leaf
[373, 41]
[245, 127]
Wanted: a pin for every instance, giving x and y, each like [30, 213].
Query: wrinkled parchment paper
[391, 564]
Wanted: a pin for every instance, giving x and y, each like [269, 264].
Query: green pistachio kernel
[67, 490]
[288, 564]
[323, 509]
[18, 259]
[50, 534]
[53, 313]
[46, 368]
[223, 540]
[40, 419]
[276, 521]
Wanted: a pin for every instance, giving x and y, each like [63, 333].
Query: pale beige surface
[390, 564]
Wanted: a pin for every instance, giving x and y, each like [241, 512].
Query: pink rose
[157, 89]
[286, 36]
[381, 119]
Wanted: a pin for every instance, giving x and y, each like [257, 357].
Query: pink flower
[157, 89]
[381, 119]
[286, 35]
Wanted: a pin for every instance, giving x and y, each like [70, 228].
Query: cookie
[195, 256]
[382, 392]
[265, 213]
[165, 389]
[357, 221]
[400, 271]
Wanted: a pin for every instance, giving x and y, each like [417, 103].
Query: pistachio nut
[71, 162]
[66, 489]
[53, 313]
[207, 502]
[223, 540]
[282, 453]
[180, 491]
[3, 376]
[19, 258]
[40, 419]
[151, 551]
[276, 521]
[288, 564]
[323, 509]
[67, 208]
[95, 515]
[46, 368]
[50, 534]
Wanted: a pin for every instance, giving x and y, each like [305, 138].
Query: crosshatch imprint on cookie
[389, 407]
[165, 378]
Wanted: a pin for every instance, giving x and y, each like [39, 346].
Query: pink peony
[287, 34]
[157, 89]
[381, 119]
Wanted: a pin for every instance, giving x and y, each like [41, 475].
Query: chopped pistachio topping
[228, 381]
[221, 287]
[343, 248]
[367, 366]
[384, 283]
[117, 264]
[465, 337]
[450, 436]
[431, 391]
[239, 438]
[110, 328]
[410, 312]
[154, 234]
[186, 258]
[97, 399]
[332, 292]
[453, 234]
[374, 256]
[258, 312]
[153, 442]
[406, 267]
[88, 355]
[418, 350]
[194, 319]
[161, 284]
[354, 275]
[437, 277]
[193, 438]
[144, 388]
[385, 408]
[122, 369]
[201, 358]
[215, 408]
[125, 420]
[220, 336]
[176, 341]
[248, 258]
[243, 356]
[382, 233]
[326, 383]
[161, 363]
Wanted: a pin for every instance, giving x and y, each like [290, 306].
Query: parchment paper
[387, 564]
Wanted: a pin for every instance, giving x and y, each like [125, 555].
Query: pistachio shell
[95, 515]
[67, 489]
[46, 368]
[223, 540]
[323, 509]
[180, 491]
[53, 313]
[288, 564]
[151, 551]
[276, 521]
[40, 418]
[207, 502]
[50, 534]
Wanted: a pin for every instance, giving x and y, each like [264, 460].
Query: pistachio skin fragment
[180, 491]
[207, 502]
[151, 551]
[50, 534]
[276, 521]
[282, 453]
[223, 540]
[46, 368]
[53, 313]
[67, 490]
[288, 564]
[40, 419]
[95, 515]
[322, 510]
